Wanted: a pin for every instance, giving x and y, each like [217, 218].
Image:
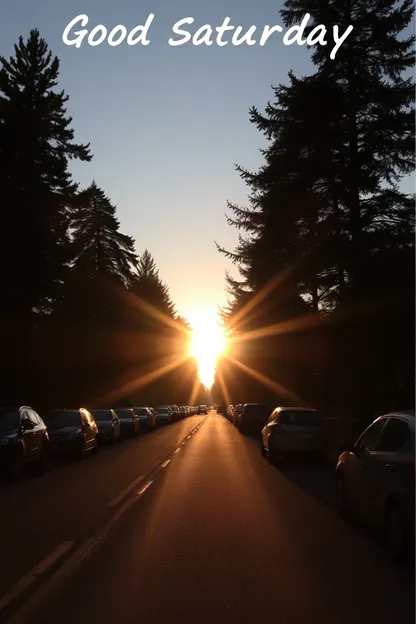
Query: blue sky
[166, 124]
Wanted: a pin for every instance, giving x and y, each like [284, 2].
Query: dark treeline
[326, 251]
[84, 319]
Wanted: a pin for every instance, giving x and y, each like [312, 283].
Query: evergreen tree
[149, 287]
[36, 142]
[374, 107]
[326, 213]
[99, 246]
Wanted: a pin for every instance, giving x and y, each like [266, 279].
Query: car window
[300, 418]
[25, 418]
[394, 435]
[372, 436]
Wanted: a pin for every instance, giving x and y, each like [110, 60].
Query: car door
[29, 435]
[360, 466]
[383, 466]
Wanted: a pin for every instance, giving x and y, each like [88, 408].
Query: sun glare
[207, 344]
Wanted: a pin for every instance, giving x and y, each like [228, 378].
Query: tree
[36, 142]
[374, 106]
[149, 287]
[100, 248]
[326, 213]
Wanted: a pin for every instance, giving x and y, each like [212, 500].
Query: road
[67, 504]
[219, 534]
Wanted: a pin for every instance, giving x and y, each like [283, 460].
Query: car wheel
[395, 530]
[96, 446]
[263, 450]
[341, 495]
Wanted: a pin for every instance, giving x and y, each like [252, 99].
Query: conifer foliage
[36, 143]
[329, 232]
[75, 296]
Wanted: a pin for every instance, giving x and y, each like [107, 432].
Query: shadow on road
[313, 476]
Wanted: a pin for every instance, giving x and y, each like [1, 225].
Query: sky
[166, 124]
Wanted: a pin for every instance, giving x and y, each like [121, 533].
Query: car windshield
[141, 410]
[9, 420]
[162, 410]
[300, 418]
[102, 415]
[58, 420]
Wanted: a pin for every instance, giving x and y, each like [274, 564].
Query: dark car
[108, 424]
[202, 409]
[253, 418]
[129, 421]
[146, 418]
[375, 479]
[235, 414]
[23, 439]
[72, 431]
[163, 415]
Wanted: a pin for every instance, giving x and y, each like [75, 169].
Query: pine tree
[36, 142]
[149, 287]
[326, 211]
[100, 249]
[374, 107]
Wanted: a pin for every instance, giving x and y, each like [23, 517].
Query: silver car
[293, 430]
[375, 479]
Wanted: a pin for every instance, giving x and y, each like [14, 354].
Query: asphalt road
[219, 534]
[74, 498]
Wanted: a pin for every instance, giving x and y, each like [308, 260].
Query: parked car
[146, 418]
[23, 439]
[375, 479]
[202, 409]
[163, 415]
[129, 422]
[153, 416]
[293, 430]
[253, 418]
[108, 424]
[72, 431]
[235, 414]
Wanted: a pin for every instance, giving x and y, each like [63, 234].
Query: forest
[85, 319]
[321, 312]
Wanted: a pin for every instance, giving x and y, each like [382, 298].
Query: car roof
[296, 409]
[408, 415]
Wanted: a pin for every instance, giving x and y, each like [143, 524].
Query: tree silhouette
[327, 226]
[99, 246]
[149, 287]
[36, 142]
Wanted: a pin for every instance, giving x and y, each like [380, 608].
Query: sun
[208, 342]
